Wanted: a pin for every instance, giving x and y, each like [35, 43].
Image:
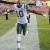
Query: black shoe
[18, 48]
[24, 34]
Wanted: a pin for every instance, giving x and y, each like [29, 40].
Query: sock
[18, 40]
[18, 45]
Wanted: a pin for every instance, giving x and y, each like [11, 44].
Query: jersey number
[21, 13]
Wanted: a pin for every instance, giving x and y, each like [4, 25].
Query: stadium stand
[5, 4]
[9, 5]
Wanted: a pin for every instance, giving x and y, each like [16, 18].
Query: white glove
[44, 15]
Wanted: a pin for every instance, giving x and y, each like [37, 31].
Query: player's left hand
[44, 15]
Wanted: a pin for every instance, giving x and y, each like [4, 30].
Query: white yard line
[28, 42]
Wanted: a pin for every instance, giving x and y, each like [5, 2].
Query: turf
[44, 34]
[6, 25]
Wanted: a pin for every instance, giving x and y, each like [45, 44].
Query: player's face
[18, 4]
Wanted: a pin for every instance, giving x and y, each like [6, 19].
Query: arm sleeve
[26, 6]
[35, 12]
[15, 8]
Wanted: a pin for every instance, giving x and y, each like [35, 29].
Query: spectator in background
[6, 13]
[38, 4]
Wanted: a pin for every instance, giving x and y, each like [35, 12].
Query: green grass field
[44, 32]
[43, 25]
[6, 25]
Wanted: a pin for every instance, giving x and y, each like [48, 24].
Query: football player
[21, 10]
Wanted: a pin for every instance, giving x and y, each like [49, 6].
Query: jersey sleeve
[15, 8]
[26, 6]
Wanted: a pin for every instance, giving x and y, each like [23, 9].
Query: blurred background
[9, 4]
